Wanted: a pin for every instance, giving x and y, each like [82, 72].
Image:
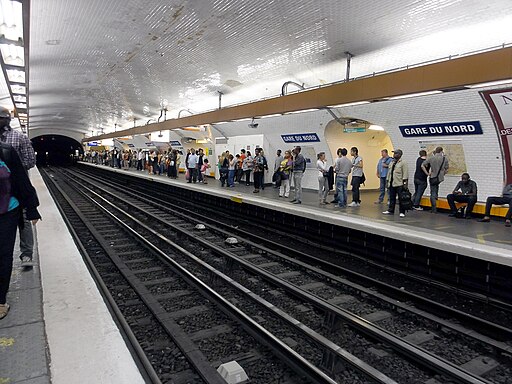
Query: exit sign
[354, 129]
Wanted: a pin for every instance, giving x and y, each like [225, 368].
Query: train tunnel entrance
[369, 140]
[56, 150]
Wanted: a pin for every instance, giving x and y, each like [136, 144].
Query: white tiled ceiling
[96, 63]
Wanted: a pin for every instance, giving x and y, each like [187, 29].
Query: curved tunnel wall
[55, 149]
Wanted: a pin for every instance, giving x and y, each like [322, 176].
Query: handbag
[435, 180]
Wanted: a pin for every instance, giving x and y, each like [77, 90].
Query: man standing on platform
[397, 180]
[464, 192]
[438, 167]
[382, 173]
[420, 181]
[298, 169]
[277, 164]
[22, 145]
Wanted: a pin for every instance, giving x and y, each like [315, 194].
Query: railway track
[386, 331]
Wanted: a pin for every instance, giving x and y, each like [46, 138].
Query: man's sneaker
[26, 262]
[402, 215]
[387, 213]
[417, 208]
[4, 310]
[353, 204]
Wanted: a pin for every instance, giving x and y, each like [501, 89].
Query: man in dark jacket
[19, 194]
[23, 147]
[464, 192]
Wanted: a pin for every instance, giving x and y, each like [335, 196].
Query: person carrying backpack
[16, 194]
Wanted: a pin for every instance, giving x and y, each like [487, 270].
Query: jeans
[199, 175]
[497, 201]
[452, 198]
[231, 178]
[258, 180]
[434, 193]
[356, 184]
[392, 199]
[192, 175]
[341, 190]
[139, 165]
[382, 189]
[419, 189]
[26, 240]
[297, 182]
[8, 223]
[323, 188]
[284, 189]
[247, 177]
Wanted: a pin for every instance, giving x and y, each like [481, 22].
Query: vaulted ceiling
[97, 63]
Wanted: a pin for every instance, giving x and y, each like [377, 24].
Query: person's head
[297, 150]
[237, 156]
[230, 157]
[321, 156]
[200, 151]
[438, 150]
[384, 153]
[278, 152]
[354, 151]
[397, 154]
[344, 152]
[205, 161]
[465, 177]
[5, 118]
[287, 154]
[249, 153]
[227, 152]
[242, 151]
[338, 152]
[423, 153]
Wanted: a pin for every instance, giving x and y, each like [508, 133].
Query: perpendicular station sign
[442, 129]
[300, 138]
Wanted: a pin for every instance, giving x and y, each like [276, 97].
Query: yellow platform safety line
[237, 199]
[6, 341]
[481, 236]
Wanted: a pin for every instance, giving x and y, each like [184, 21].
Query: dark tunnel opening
[56, 150]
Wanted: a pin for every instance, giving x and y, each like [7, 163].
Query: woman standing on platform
[247, 166]
[16, 194]
[231, 171]
[323, 179]
[284, 170]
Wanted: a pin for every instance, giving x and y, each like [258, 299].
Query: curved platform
[484, 241]
[59, 329]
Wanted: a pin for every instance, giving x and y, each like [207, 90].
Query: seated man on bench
[505, 199]
[464, 192]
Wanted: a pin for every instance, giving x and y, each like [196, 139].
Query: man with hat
[396, 181]
[22, 145]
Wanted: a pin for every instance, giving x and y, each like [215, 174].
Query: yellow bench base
[479, 208]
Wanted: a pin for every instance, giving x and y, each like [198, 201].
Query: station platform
[59, 329]
[486, 241]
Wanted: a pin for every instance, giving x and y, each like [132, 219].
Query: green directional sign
[354, 129]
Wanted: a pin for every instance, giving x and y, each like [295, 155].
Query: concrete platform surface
[486, 241]
[59, 329]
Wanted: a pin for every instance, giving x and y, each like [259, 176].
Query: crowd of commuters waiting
[289, 168]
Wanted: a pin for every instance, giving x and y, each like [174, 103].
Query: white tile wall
[482, 152]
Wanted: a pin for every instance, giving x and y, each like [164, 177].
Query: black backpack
[405, 199]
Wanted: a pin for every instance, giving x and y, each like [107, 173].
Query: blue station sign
[442, 129]
[175, 143]
[300, 138]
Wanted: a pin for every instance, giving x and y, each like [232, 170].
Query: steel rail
[149, 372]
[328, 269]
[420, 355]
[257, 331]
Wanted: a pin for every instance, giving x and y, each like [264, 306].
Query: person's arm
[22, 187]
[457, 188]
[378, 170]
[474, 190]
[424, 167]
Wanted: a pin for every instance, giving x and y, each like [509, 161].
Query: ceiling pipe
[284, 92]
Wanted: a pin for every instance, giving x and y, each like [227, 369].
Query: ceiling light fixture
[413, 95]
[302, 111]
[349, 104]
[272, 115]
[374, 127]
[491, 83]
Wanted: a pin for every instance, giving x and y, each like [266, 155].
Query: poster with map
[453, 150]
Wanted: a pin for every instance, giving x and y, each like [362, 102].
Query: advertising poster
[499, 103]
